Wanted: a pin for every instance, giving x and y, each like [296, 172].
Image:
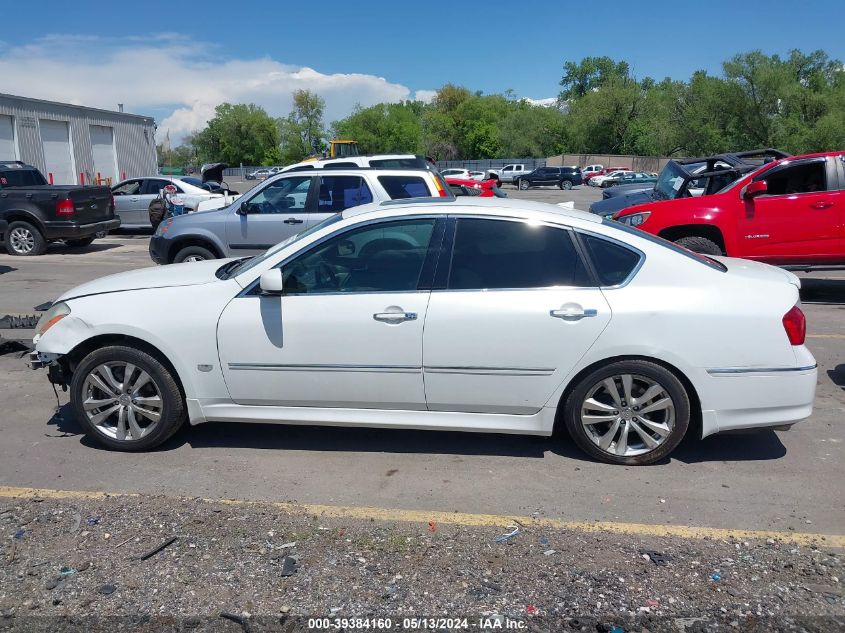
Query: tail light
[795, 325]
[64, 207]
[441, 187]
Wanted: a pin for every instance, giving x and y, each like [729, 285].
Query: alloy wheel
[122, 401]
[194, 258]
[628, 415]
[22, 240]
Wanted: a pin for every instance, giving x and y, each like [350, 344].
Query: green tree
[580, 78]
[242, 133]
[384, 128]
[301, 132]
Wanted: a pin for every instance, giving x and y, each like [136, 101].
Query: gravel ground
[90, 565]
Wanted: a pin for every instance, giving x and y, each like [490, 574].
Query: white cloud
[548, 102]
[182, 79]
[426, 96]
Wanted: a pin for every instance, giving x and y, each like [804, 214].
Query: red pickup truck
[789, 212]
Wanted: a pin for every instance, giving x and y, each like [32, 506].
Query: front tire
[699, 244]
[566, 185]
[24, 240]
[631, 412]
[125, 399]
[193, 254]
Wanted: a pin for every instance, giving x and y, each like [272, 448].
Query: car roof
[361, 161]
[476, 206]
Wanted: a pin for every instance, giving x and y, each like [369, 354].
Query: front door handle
[821, 205]
[573, 314]
[395, 317]
[294, 221]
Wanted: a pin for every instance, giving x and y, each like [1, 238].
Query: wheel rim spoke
[644, 436]
[100, 417]
[151, 401]
[610, 385]
[92, 403]
[606, 439]
[134, 429]
[120, 429]
[662, 430]
[595, 405]
[627, 384]
[152, 415]
[650, 394]
[127, 376]
[101, 385]
[106, 372]
[588, 420]
[142, 379]
[622, 443]
[664, 403]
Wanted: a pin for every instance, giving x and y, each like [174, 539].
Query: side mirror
[754, 189]
[270, 282]
[243, 209]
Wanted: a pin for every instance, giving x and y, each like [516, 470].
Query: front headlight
[635, 219]
[164, 227]
[56, 313]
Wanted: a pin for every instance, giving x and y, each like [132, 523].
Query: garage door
[58, 159]
[7, 138]
[105, 161]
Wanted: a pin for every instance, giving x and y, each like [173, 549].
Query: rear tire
[24, 240]
[147, 402]
[193, 254]
[699, 244]
[522, 184]
[81, 242]
[566, 185]
[631, 412]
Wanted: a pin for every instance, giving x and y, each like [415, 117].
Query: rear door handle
[294, 221]
[821, 205]
[395, 317]
[573, 315]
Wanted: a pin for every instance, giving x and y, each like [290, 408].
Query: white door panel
[102, 146]
[58, 159]
[503, 351]
[324, 350]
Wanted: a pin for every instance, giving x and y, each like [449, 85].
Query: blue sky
[173, 48]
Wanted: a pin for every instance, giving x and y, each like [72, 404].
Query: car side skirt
[540, 423]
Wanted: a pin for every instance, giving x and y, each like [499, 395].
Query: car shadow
[7, 269]
[822, 290]
[756, 446]
[61, 249]
[837, 375]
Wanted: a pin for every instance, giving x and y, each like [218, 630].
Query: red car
[603, 172]
[483, 188]
[789, 212]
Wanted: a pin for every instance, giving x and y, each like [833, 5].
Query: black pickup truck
[34, 213]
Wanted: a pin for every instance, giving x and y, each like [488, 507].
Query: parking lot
[724, 481]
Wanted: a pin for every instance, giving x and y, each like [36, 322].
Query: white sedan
[467, 314]
[596, 181]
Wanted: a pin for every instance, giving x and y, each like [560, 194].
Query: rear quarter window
[398, 187]
[613, 262]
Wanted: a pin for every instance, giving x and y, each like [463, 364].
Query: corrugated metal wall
[134, 136]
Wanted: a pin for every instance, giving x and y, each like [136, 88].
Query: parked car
[689, 177]
[629, 178]
[603, 172]
[511, 172]
[788, 212]
[283, 206]
[483, 189]
[563, 177]
[375, 161]
[134, 196]
[596, 181]
[37, 213]
[588, 171]
[356, 323]
[259, 174]
[456, 173]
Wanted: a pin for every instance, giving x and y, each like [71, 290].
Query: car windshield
[247, 264]
[670, 181]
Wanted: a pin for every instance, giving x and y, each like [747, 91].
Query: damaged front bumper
[57, 371]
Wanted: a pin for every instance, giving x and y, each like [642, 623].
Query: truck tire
[24, 240]
[566, 184]
[193, 254]
[81, 242]
[698, 244]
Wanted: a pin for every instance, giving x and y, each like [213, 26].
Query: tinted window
[21, 178]
[386, 257]
[404, 186]
[152, 187]
[287, 195]
[504, 254]
[804, 178]
[613, 262]
[342, 192]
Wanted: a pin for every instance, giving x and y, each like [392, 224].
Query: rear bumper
[63, 230]
[754, 398]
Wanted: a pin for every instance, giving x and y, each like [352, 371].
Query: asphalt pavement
[783, 481]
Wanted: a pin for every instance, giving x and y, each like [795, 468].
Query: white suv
[293, 201]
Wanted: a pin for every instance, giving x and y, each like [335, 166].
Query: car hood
[188, 274]
[610, 206]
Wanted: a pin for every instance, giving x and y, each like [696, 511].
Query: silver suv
[287, 204]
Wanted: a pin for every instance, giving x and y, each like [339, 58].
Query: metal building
[76, 145]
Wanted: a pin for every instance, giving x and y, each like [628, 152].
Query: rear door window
[491, 254]
[337, 193]
[398, 187]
